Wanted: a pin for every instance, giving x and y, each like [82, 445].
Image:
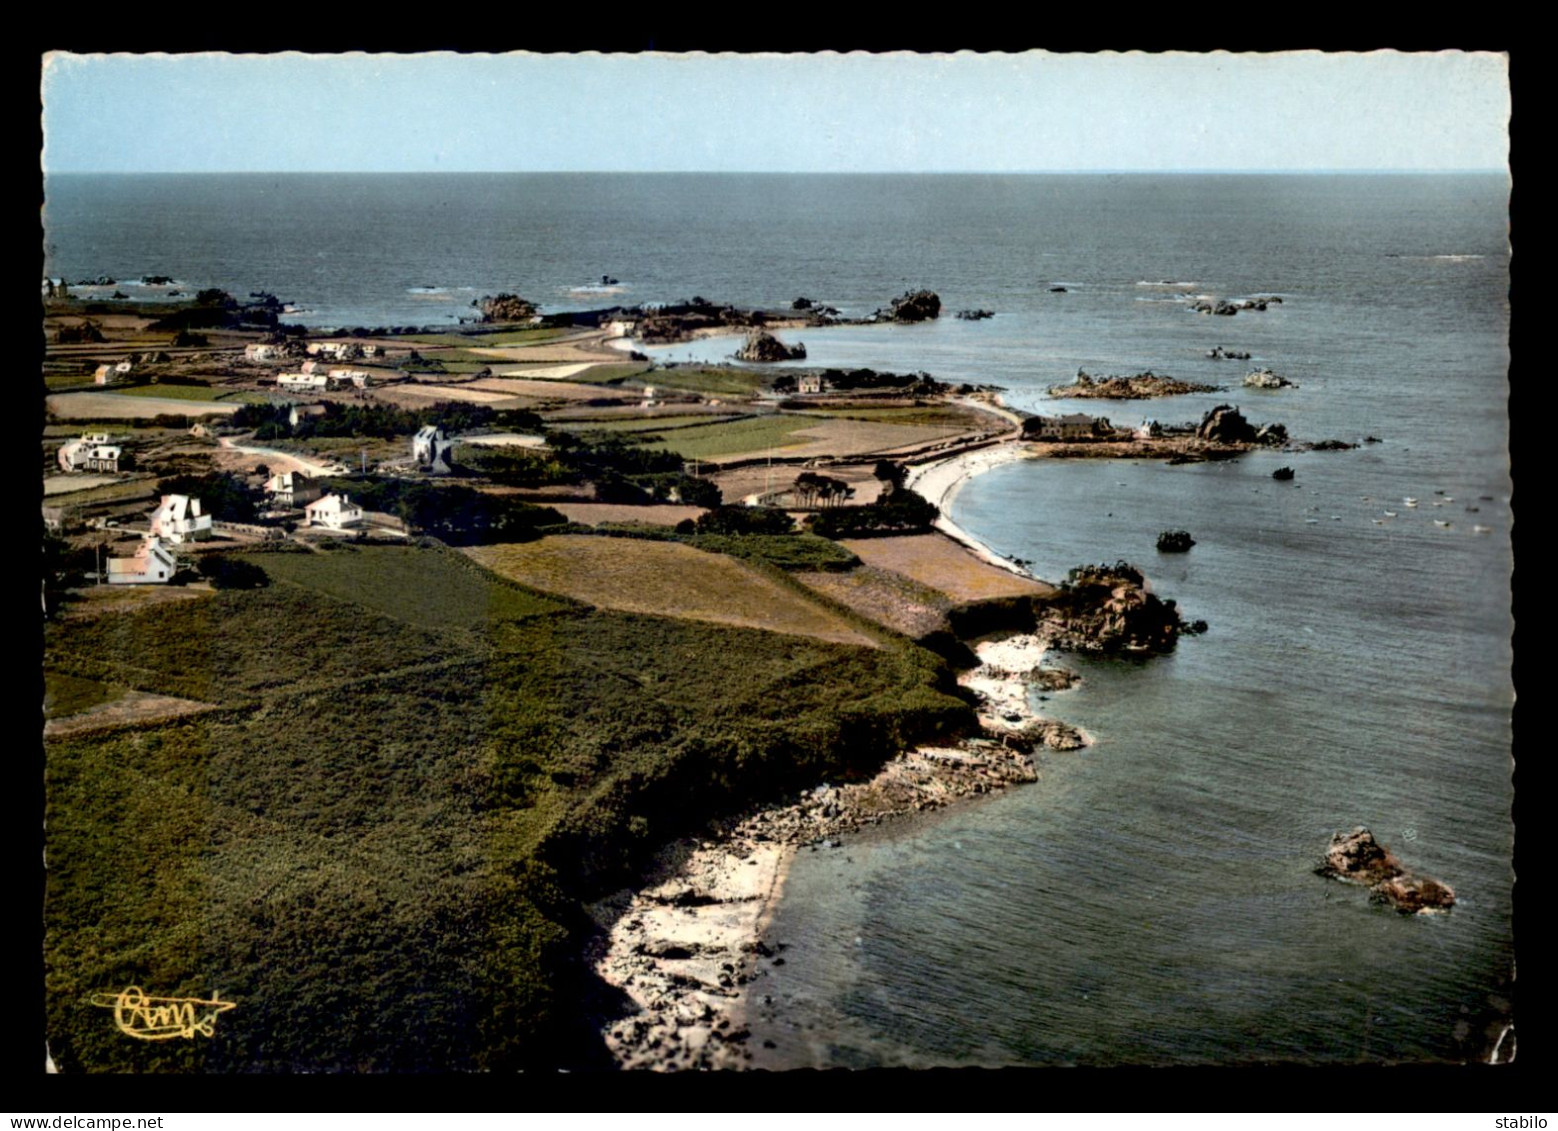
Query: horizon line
[780, 172]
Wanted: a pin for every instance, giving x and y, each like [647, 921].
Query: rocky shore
[687, 950]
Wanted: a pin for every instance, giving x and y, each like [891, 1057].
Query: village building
[334, 512]
[358, 378]
[1149, 430]
[92, 452]
[152, 564]
[1073, 426]
[298, 413]
[808, 383]
[431, 448]
[262, 351]
[370, 351]
[313, 381]
[341, 351]
[312, 367]
[291, 489]
[178, 519]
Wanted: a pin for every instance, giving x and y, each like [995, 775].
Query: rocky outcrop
[1357, 858]
[915, 306]
[504, 308]
[1225, 425]
[975, 315]
[763, 346]
[1217, 353]
[1221, 306]
[1139, 386]
[1266, 379]
[1175, 542]
[1108, 609]
[1282, 473]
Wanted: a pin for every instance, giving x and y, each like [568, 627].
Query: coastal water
[1150, 900]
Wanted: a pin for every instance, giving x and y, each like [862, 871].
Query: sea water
[1151, 900]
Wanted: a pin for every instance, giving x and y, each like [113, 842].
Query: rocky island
[1357, 858]
[1139, 386]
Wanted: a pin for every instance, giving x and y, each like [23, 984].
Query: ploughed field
[665, 579]
[377, 840]
[936, 561]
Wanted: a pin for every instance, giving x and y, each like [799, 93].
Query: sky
[827, 112]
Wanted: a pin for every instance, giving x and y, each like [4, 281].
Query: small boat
[1409, 502]
[1390, 514]
[1483, 529]
[1311, 521]
[1441, 522]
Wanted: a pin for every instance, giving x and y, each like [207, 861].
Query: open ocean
[1151, 899]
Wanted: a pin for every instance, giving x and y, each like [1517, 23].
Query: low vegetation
[377, 847]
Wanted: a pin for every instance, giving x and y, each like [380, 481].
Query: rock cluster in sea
[1266, 379]
[763, 346]
[1356, 857]
[1137, 386]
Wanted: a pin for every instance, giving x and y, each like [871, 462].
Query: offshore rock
[1175, 542]
[763, 346]
[1266, 379]
[916, 306]
[1225, 425]
[1108, 609]
[1356, 857]
[504, 308]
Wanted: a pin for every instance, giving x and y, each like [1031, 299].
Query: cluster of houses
[1072, 426]
[95, 451]
[179, 519]
[313, 376]
[339, 351]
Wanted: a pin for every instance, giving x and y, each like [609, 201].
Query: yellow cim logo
[162, 1018]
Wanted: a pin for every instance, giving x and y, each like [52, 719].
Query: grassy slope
[726, 381]
[377, 849]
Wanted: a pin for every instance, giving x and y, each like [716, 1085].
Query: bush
[232, 573]
[744, 520]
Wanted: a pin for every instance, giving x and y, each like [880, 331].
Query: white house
[311, 367]
[808, 383]
[357, 377]
[1149, 430]
[431, 448]
[289, 489]
[260, 351]
[104, 375]
[153, 564]
[92, 452]
[341, 351]
[178, 519]
[334, 512]
[370, 351]
[313, 381]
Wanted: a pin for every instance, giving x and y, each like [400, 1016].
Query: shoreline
[688, 949]
[939, 482]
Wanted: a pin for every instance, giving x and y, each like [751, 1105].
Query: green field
[191, 393]
[378, 845]
[940, 416]
[607, 372]
[437, 590]
[638, 423]
[754, 435]
[70, 695]
[505, 338]
[726, 381]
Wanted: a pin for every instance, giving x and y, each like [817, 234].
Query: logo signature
[162, 1018]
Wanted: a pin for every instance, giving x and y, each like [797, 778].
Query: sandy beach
[687, 950]
[939, 483]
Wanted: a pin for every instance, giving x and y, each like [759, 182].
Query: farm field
[936, 561]
[720, 381]
[539, 389]
[505, 338]
[115, 406]
[797, 435]
[664, 579]
[890, 599]
[474, 393]
[192, 393]
[544, 372]
[428, 588]
[658, 514]
[936, 416]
